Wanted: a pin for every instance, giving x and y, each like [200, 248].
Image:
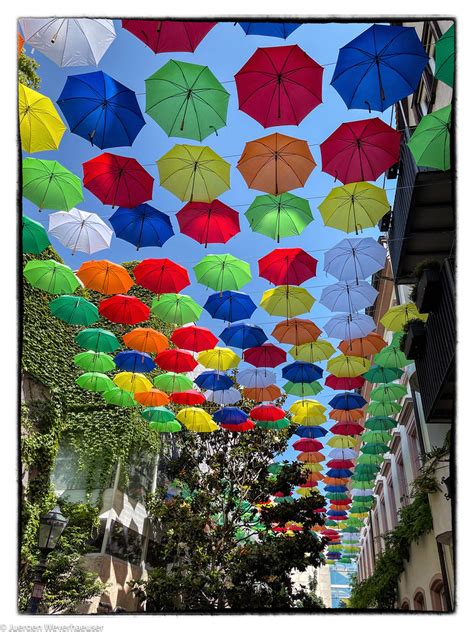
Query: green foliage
[406, 327]
[27, 75]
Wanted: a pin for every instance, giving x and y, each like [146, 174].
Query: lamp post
[51, 527]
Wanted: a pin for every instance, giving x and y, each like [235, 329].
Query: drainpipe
[372, 539]
[108, 523]
[444, 574]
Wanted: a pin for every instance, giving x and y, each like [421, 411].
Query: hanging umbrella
[348, 428]
[296, 331]
[121, 308]
[267, 412]
[445, 57]
[313, 351]
[339, 473]
[219, 358]
[280, 85]
[117, 180]
[355, 258]
[277, 216]
[348, 366]
[74, 310]
[269, 29]
[315, 458]
[146, 339]
[302, 372]
[430, 143]
[80, 230]
[266, 355]
[176, 361]
[381, 423]
[349, 326]
[188, 398]
[213, 381]
[165, 426]
[222, 272]
[344, 383]
[118, 397]
[194, 338]
[377, 374]
[173, 382]
[105, 277]
[280, 424]
[342, 453]
[20, 42]
[153, 397]
[176, 308]
[300, 389]
[196, 419]
[186, 100]
[392, 358]
[97, 339]
[169, 36]
[347, 401]
[49, 185]
[132, 382]
[50, 276]
[194, 173]
[142, 226]
[224, 397]
[230, 415]
[41, 128]
[388, 392]
[95, 362]
[383, 408]
[305, 405]
[376, 437]
[265, 394]
[345, 416]
[310, 432]
[276, 163]
[101, 110]
[69, 41]
[161, 276]
[248, 425]
[134, 362]
[375, 448]
[360, 150]
[348, 296]
[34, 238]
[287, 300]
[256, 378]
[307, 445]
[243, 336]
[287, 266]
[363, 347]
[230, 306]
[397, 317]
[312, 418]
[208, 223]
[95, 382]
[158, 414]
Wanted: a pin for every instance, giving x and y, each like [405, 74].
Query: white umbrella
[355, 259]
[256, 378]
[69, 41]
[348, 296]
[342, 453]
[228, 396]
[80, 230]
[349, 326]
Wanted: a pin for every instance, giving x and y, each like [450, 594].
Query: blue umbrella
[354, 258]
[230, 306]
[213, 381]
[243, 336]
[336, 488]
[349, 326]
[348, 296]
[339, 473]
[310, 432]
[379, 67]
[302, 372]
[134, 361]
[230, 415]
[347, 401]
[270, 29]
[334, 512]
[142, 226]
[101, 110]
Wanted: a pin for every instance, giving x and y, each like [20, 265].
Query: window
[402, 481]
[391, 502]
[405, 605]
[125, 543]
[419, 600]
[438, 596]
[414, 448]
[424, 96]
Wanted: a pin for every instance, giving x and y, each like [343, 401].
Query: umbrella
[360, 150]
[347, 428]
[101, 110]
[146, 339]
[378, 374]
[346, 416]
[196, 419]
[256, 378]
[118, 397]
[142, 226]
[444, 57]
[20, 42]
[223, 398]
[363, 347]
[230, 415]
[169, 36]
[374, 436]
[50, 276]
[74, 310]
[313, 351]
[95, 382]
[222, 272]
[41, 128]
[391, 358]
[296, 331]
[348, 366]
[339, 473]
[34, 238]
[266, 355]
[310, 432]
[176, 308]
[301, 389]
[276, 163]
[213, 381]
[267, 412]
[287, 300]
[248, 425]
[349, 326]
[336, 489]
[344, 383]
[348, 296]
[105, 277]
[380, 422]
[188, 398]
[165, 426]
[302, 372]
[375, 448]
[277, 216]
[208, 223]
[80, 230]
[397, 317]
[355, 259]
[173, 382]
[194, 338]
[186, 100]
[269, 29]
[315, 458]
[379, 67]
[194, 173]
[176, 360]
[280, 424]
[230, 306]
[430, 143]
[158, 413]
[388, 392]
[347, 401]
[302, 405]
[97, 339]
[153, 397]
[134, 362]
[117, 180]
[383, 408]
[49, 185]
[265, 394]
[69, 41]
[161, 276]
[219, 358]
[307, 445]
[132, 382]
[243, 336]
[312, 418]
[287, 266]
[342, 453]
[280, 85]
[96, 362]
[121, 308]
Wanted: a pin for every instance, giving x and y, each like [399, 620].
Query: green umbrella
[273, 425]
[50, 276]
[388, 392]
[178, 309]
[92, 361]
[34, 238]
[363, 499]
[74, 310]
[375, 436]
[336, 496]
[374, 448]
[380, 422]
[366, 468]
[350, 530]
[378, 374]
[166, 426]
[97, 339]
[275, 468]
[384, 409]
[222, 272]
[276, 216]
[173, 382]
[397, 335]
[391, 358]
[302, 389]
[444, 57]
[186, 100]
[97, 382]
[49, 185]
[430, 143]
[119, 397]
[158, 413]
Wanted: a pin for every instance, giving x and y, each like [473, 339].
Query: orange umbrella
[105, 277]
[311, 457]
[369, 345]
[296, 331]
[315, 476]
[276, 163]
[329, 480]
[146, 339]
[267, 394]
[346, 416]
[155, 397]
[21, 41]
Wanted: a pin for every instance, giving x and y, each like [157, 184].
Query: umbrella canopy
[311, 418]
[213, 381]
[341, 442]
[186, 100]
[280, 85]
[34, 238]
[265, 394]
[230, 306]
[196, 419]
[363, 347]
[307, 445]
[300, 389]
[305, 405]
[41, 127]
[118, 397]
[142, 226]
[255, 378]
[344, 383]
[230, 415]
[105, 277]
[378, 374]
[146, 339]
[347, 428]
[194, 172]
[121, 308]
[430, 143]
[158, 413]
[349, 326]
[80, 230]
[348, 366]
[50, 276]
[132, 382]
[134, 362]
[346, 416]
[153, 397]
[208, 223]
[188, 398]
[219, 358]
[277, 216]
[173, 382]
[375, 448]
[392, 358]
[97, 339]
[223, 398]
[267, 412]
[296, 331]
[348, 296]
[243, 335]
[355, 259]
[269, 29]
[360, 150]
[374, 436]
[248, 425]
[117, 180]
[176, 308]
[194, 338]
[388, 392]
[95, 362]
[347, 401]
[222, 272]
[165, 426]
[444, 57]
[95, 382]
[342, 453]
[161, 276]
[310, 432]
[49, 185]
[101, 110]
[287, 300]
[380, 422]
[280, 424]
[168, 36]
[303, 372]
[397, 317]
[20, 42]
[276, 163]
[266, 355]
[287, 266]
[74, 310]
[69, 41]
[383, 408]
[176, 360]
[313, 351]
[312, 457]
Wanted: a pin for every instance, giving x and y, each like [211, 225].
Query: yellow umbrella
[341, 442]
[304, 491]
[316, 351]
[306, 405]
[287, 300]
[348, 366]
[396, 317]
[309, 418]
[132, 382]
[313, 467]
[196, 419]
[220, 358]
[41, 127]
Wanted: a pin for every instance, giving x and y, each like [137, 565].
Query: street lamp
[51, 527]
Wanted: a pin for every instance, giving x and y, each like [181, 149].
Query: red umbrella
[127, 310]
[247, 425]
[360, 150]
[176, 360]
[188, 398]
[350, 428]
[330, 533]
[287, 266]
[267, 412]
[194, 338]
[340, 463]
[307, 445]
[279, 85]
[267, 355]
[342, 501]
[310, 483]
[338, 518]
[344, 383]
[166, 36]
[161, 276]
[117, 180]
[213, 223]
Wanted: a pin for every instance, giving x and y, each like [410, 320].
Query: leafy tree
[27, 67]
